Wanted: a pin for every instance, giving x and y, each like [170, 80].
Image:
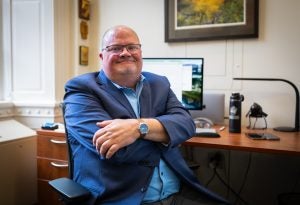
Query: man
[125, 127]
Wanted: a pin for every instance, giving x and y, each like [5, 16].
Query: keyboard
[206, 132]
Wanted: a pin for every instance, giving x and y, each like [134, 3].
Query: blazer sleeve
[167, 109]
[177, 121]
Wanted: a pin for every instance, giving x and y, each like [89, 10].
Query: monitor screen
[185, 76]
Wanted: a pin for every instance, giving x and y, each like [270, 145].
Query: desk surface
[289, 142]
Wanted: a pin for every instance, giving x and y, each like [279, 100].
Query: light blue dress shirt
[164, 182]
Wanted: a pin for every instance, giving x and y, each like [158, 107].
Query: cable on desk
[231, 189]
[245, 177]
[228, 175]
[215, 173]
[229, 171]
[211, 178]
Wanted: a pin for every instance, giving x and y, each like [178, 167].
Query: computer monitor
[185, 76]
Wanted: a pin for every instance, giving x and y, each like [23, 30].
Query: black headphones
[256, 111]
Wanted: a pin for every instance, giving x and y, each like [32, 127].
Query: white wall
[37, 63]
[40, 42]
[274, 54]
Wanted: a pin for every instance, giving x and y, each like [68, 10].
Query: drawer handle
[58, 141]
[59, 164]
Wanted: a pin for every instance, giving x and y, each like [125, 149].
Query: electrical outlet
[216, 160]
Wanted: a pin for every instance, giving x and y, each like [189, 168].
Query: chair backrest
[70, 192]
[70, 157]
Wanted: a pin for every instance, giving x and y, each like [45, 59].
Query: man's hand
[115, 134]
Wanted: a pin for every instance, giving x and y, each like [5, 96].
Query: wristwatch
[143, 128]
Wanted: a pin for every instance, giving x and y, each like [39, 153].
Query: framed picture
[84, 9]
[189, 20]
[84, 29]
[83, 55]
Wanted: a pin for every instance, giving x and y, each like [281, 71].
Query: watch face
[143, 128]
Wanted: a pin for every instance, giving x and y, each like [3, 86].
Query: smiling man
[124, 128]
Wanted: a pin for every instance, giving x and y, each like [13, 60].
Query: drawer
[52, 147]
[47, 195]
[49, 169]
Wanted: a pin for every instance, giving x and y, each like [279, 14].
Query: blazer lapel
[106, 85]
[145, 100]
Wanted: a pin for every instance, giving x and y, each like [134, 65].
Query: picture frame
[84, 30]
[178, 28]
[84, 9]
[83, 55]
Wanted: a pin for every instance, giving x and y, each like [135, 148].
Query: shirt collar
[138, 85]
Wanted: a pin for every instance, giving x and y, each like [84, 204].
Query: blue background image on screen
[192, 99]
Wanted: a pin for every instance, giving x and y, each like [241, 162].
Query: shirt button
[143, 189]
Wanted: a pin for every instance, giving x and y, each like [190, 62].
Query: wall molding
[32, 115]
[6, 110]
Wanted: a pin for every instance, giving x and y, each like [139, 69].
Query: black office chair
[70, 192]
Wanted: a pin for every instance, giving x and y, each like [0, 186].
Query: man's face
[122, 64]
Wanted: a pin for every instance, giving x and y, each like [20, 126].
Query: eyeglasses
[117, 49]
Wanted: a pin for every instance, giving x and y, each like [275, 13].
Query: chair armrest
[70, 190]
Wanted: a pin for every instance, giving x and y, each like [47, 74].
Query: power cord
[245, 177]
[229, 171]
[228, 187]
[214, 164]
[210, 180]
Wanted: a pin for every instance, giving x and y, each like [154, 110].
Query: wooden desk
[289, 142]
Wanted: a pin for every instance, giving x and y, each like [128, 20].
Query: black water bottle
[235, 111]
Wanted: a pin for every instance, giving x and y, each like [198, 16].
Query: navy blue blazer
[124, 178]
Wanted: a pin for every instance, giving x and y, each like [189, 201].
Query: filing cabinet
[52, 163]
